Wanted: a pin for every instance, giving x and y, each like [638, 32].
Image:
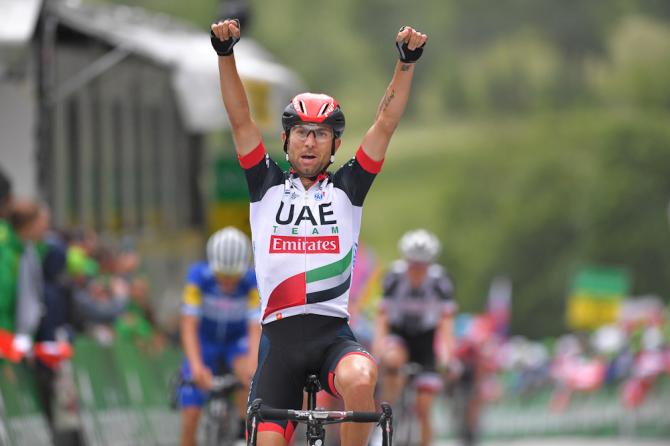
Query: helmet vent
[316, 108]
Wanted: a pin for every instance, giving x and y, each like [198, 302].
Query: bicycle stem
[253, 416]
[386, 425]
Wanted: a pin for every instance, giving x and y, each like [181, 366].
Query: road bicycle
[221, 421]
[315, 419]
[407, 426]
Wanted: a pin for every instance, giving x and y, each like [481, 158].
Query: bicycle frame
[220, 415]
[406, 418]
[316, 419]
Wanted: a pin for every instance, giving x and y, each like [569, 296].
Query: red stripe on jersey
[252, 158]
[368, 163]
[290, 293]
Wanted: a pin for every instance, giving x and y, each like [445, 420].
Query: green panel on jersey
[331, 270]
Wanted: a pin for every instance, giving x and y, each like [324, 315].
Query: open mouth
[308, 157]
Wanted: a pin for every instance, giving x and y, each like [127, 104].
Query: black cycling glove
[407, 55]
[224, 48]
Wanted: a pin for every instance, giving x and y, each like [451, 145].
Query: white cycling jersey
[305, 240]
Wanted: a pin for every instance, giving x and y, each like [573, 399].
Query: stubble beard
[309, 172]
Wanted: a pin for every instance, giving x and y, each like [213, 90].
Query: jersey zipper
[304, 223]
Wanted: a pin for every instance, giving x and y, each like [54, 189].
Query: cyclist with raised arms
[415, 317]
[219, 324]
[305, 225]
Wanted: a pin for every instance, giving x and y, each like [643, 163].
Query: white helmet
[419, 246]
[229, 251]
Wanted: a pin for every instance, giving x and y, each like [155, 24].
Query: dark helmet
[317, 108]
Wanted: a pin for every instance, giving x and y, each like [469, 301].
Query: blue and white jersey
[223, 316]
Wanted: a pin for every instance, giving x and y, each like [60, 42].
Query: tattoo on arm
[405, 67]
[386, 101]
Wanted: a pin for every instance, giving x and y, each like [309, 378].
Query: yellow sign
[229, 214]
[586, 313]
[258, 94]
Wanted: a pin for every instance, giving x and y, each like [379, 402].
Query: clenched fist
[224, 35]
[410, 43]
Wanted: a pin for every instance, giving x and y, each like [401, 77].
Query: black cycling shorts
[419, 346]
[290, 350]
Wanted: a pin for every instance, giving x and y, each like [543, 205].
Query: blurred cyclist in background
[415, 320]
[219, 324]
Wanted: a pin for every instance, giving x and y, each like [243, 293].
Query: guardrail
[124, 397]
[599, 414]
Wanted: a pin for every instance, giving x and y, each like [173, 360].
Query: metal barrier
[599, 413]
[21, 420]
[123, 394]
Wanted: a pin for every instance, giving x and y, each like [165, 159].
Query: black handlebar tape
[269, 413]
[366, 417]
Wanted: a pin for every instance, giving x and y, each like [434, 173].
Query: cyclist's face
[416, 273]
[309, 147]
[227, 282]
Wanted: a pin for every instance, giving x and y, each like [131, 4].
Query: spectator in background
[56, 323]
[138, 323]
[10, 252]
[80, 269]
[30, 221]
[39, 306]
[100, 302]
[101, 295]
[55, 382]
[112, 298]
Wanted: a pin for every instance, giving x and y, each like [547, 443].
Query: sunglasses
[322, 133]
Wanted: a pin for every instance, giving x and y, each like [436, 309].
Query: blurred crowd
[627, 357]
[55, 284]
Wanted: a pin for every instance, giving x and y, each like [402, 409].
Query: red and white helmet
[316, 108]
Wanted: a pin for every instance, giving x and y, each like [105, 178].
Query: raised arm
[410, 46]
[245, 132]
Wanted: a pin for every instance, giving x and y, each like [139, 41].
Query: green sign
[595, 297]
[229, 182]
[602, 282]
